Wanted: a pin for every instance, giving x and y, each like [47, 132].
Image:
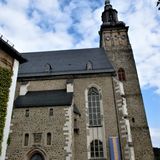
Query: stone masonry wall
[6, 61]
[121, 55]
[80, 85]
[38, 122]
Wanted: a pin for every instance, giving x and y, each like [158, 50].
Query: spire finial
[107, 2]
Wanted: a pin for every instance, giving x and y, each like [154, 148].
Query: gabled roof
[11, 51]
[44, 99]
[65, 62]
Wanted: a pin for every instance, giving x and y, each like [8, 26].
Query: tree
[158, 4]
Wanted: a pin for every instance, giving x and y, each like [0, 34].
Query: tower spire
[107, 2]
[110, 16]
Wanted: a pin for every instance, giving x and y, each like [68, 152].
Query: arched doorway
[37, 156]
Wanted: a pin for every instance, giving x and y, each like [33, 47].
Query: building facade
[9, 63]
[81, 104]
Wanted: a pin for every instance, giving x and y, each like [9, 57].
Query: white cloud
[47, 24]
[23, 30]
[155, 134]
[142, 17]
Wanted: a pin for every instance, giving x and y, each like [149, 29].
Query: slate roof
[65, 62]
[11, 51]
[44, 99]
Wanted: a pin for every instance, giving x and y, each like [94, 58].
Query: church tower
[114, 39]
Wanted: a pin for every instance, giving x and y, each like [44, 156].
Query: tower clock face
[107, 38]
[123, 37]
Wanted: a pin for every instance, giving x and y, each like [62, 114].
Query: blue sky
[34, 25]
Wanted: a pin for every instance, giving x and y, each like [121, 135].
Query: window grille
[96, 148]
[94, 107]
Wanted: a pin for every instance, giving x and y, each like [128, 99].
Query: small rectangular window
[51, 112]
[26, 139]
[49, 138]
[27, 113]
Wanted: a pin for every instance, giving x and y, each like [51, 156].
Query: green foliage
[5, 82]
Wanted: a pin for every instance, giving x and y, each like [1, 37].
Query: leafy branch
[158, 4]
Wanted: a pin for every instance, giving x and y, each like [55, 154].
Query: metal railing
[6, 40]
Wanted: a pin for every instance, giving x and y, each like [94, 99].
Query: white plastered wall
[68, 132]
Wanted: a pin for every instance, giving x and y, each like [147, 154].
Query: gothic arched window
[121, 74]
[49, 138]
[96, 148]
[37, 156]
[94, 107]
[26, 139]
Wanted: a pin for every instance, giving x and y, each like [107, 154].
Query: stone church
[82, 104]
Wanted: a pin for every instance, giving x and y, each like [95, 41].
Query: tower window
[96, 148]
[27, 113]
[121, 74]
[51, 112]
[94, 107]
[26, 139]
[133, 120]
[110, 17]
[49, 138]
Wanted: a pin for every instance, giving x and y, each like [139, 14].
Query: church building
[82, 104]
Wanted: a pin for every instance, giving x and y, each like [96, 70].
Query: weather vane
[107, 2]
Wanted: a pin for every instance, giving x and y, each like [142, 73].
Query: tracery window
[37, 156]
[94, 107]
[96, 148]
[26, 139]
[121, 74]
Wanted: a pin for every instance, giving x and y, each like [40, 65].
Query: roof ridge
[60, 50]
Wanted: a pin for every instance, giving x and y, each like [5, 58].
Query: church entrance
[37, 156]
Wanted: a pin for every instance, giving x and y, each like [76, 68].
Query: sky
[38, 25]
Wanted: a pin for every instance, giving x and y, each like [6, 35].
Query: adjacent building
[9, 63]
